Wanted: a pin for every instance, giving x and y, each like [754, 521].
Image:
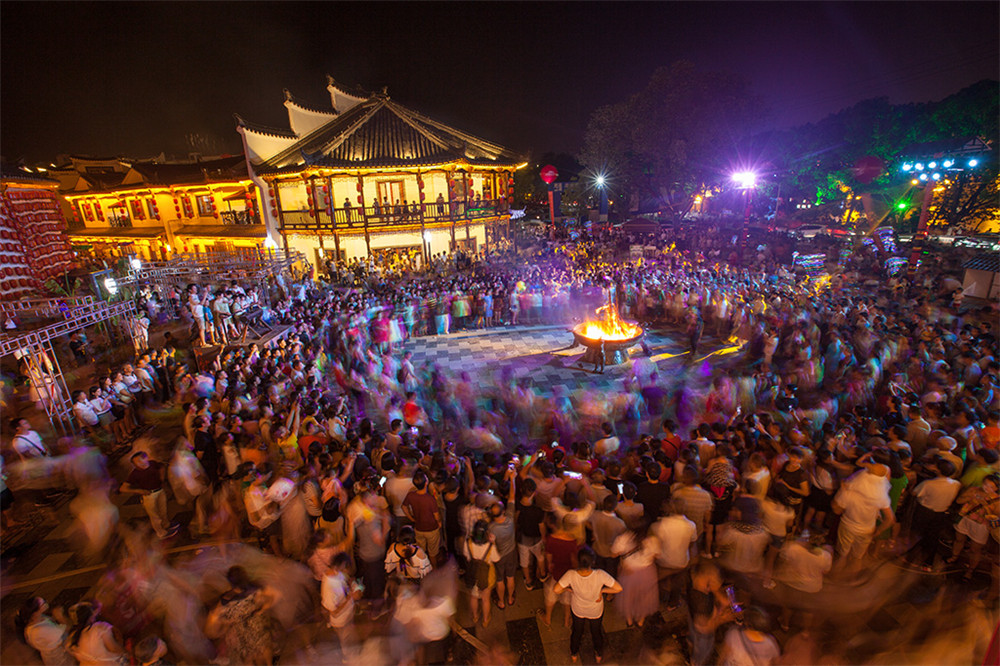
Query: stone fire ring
[615, 351]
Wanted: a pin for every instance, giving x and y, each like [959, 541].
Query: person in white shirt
[26, 442]
[861, 501]
[262, 513]
[588, 587]
[930, 516]
[678, 539]
[338, 595]
[801, 566]
[84, 412]
[609, 443]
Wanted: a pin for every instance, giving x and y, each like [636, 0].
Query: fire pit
[617, 335]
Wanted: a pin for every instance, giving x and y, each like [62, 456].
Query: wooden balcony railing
[379, 217]
[239, 217]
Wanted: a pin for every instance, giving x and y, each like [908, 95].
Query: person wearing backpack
[481, 554]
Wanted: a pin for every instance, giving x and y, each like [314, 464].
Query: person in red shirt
[421, 507]
[561, 549]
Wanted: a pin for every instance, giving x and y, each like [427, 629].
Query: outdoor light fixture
[914, 181]
[948, 163]
[136, 263]
[973, 163]
[745, 180]
[936, 176]
[269, 243]
[932, 165]
[919, 166]
[111, 285]
[907, 166]
[427, 236]
[600, 180]
[923, 176]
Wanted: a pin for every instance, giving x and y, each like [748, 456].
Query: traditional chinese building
[368, 177]
[33, 244]
[155, 209]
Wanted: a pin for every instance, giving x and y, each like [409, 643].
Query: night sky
[137, 79]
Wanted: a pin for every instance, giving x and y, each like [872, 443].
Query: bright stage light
[918, 166]
[932, 165]
[973, 163]
[923, 176]
[948, 163]
[745, 180]
[914, 181]
[907, 166]
[936, 176]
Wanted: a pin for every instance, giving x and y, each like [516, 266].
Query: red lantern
[359, 188]
[360, 198]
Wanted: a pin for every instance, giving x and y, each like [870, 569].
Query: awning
[251, 231]
[116, 233]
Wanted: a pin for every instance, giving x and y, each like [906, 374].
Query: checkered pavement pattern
[542, 353]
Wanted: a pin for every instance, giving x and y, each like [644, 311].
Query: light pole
[745, 180]
[601, 182]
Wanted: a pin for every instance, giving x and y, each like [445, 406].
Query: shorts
[851, 543]
[506, 566]
[524, 553]
[978, 532]
[721, 509]
[550, 593]
[819, 500]
[106, 419]
[430, 542]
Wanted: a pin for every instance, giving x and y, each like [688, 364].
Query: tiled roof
[987, 261]
[222, 231]
[379, 132]
[305, 105]
[116, 232]
[11, 172]
[104, 181]
[229, 168]
[263, 129]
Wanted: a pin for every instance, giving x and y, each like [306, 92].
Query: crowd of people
[333, 481]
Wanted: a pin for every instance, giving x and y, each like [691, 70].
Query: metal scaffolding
[255, 268]
[44, 371]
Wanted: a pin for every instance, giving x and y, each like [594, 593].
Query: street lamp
[601, 182]
[746, 181]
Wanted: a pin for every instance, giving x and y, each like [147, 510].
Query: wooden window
[186, 205]
[137, 213]
[151, 207]
[98, 211]
[88, 212]
[205, 205]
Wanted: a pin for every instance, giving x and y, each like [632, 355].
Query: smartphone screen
[381, 482]
[621, 488]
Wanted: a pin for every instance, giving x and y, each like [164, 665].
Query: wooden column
[364, 213]
[465, 179]
[333, 218]
[450, 177]
[281, 216]
[420, 203]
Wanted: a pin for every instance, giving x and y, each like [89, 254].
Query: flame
[596, 330]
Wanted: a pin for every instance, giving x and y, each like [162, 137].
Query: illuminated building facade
[155, 209]
[369, 177]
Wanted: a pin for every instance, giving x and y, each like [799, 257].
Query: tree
[666, 141]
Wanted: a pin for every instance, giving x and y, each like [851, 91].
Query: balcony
[119, 221]
[239, 217]
[381, 217]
